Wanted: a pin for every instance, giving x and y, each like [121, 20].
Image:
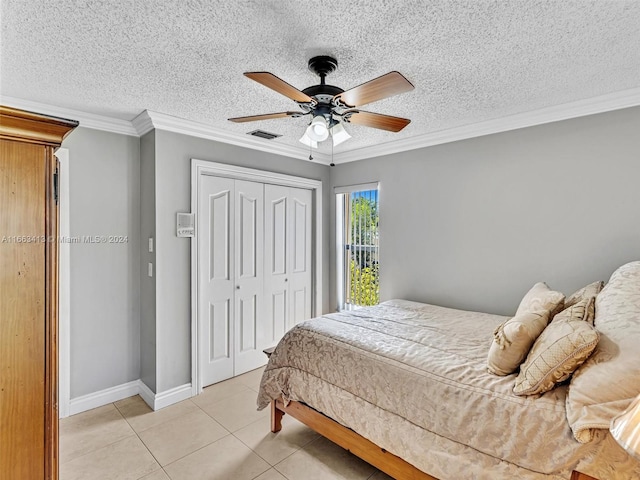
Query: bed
[405, 386]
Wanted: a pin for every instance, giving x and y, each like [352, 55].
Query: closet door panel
[216, 296]
[300, 308]
[220, 322]
[300, 208]
[278, 314]
[276, 286]
[247, 320]
[249, 271]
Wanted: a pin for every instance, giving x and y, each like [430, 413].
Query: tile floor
[217, 435]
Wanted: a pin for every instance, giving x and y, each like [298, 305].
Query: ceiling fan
[330, 106]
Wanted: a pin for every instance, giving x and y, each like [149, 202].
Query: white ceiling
[470, 61]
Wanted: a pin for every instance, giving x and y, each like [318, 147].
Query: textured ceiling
[469, 61]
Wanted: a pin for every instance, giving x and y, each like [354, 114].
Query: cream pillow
[590, 291]
[512, 341]
[609, 380]
[561, 348]
[541, 299]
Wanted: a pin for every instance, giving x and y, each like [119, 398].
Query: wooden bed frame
[358, 445]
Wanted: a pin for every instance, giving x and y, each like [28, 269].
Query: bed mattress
[412, 378]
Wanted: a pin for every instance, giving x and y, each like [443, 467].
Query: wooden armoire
[29, 294]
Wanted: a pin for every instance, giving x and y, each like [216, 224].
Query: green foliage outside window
[365, 280]
[365, 285]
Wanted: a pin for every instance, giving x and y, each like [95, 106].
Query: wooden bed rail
[358, 445]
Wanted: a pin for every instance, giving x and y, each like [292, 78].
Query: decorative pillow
[541, 299]
[561, 348]
[512, 341]
[590, 291]
[609, 380]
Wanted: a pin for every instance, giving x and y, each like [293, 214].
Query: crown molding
[87, 120]
[580, 108]
[149, 120]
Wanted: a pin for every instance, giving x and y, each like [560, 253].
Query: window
[358, 246]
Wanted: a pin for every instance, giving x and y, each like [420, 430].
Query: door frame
[341, 266]
[203, 167]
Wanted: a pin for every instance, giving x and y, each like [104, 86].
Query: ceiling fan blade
[393, 83]
[377, 120]
[266, 116]
[269, 80]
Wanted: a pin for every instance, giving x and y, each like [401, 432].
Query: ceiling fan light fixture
[328, 105]
[318, 130]
[307, 141]
[339, 134]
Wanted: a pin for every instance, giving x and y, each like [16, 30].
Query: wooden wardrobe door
[22, 309]
[29, 294]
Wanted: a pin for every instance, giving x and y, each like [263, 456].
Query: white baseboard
[147, 395]
[163, 399]
[174, 395]
[103, 397]
[137, 387]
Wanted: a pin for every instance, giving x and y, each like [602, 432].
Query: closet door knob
[237, 287]
[286, 279]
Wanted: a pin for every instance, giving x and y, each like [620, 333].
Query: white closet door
[249, 243]
[300, 210]
[276, 291]
[216, 305]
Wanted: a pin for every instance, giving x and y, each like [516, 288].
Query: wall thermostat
[185, 225]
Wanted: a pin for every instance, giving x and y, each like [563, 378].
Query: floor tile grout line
[147, 474]
[270, 468]
[174, 418]
[107, 444]
[170, 418]
[227, 429]
[156, 459]
[148, 450]
[256, 453]
[196, 450]
[145, 446]
[281, 473]
[99, 448]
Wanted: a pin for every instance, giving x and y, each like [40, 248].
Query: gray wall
[147, 284]
[173, 153]
[104, 199]
[473, 224]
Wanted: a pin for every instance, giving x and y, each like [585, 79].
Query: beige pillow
[561, 348]
[609, 380]
[590, 291]
[541, 299]
[512, 341]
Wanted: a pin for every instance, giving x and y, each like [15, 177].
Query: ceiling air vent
[263, 134]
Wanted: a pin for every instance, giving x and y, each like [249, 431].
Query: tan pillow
[541, 299]
[590, 291]
[561, 348]
[609, 380]
[512, 341]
